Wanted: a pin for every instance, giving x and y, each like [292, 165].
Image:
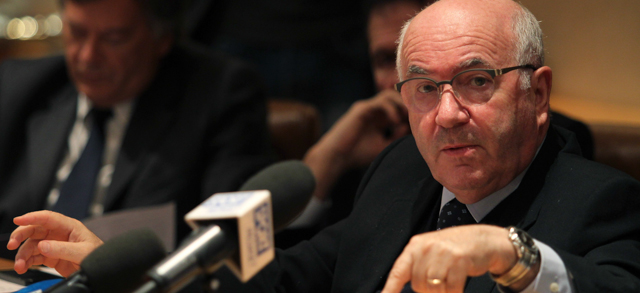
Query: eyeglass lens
[470, 88]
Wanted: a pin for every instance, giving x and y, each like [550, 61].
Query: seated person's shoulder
[587, 173]
[20, 78]
[400, 160]
[210, 74]
[200, 57]
[402, 151]
[24, 68]
[580, 129]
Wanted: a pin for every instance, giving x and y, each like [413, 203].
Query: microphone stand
[76, 284]
[201, 253]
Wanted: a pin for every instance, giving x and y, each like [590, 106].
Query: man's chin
[100, 98]
[463, 180]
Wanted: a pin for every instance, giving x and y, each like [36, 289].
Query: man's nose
[450, 112]
[89, 51]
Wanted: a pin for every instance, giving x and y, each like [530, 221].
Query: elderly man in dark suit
[431, 212]
[181, 123]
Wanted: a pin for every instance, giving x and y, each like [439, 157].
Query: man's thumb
[69, 251]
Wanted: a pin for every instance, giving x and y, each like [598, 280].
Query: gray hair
[529, 48]
[400, 40]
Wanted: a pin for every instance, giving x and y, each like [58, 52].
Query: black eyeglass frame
[492, 72]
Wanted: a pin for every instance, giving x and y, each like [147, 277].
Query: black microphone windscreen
[120, 263]
[291, 184]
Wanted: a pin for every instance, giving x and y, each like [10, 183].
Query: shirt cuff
[553, 276]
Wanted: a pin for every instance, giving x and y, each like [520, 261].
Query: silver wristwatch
[528, 256]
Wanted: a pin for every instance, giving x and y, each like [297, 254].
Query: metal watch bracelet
[528, 255]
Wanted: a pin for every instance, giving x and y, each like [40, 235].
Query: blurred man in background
[129, 117]
[341, 157]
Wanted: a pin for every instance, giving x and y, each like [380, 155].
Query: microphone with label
[116, 266]
[236, 228]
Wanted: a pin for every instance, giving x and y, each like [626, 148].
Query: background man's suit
[199, 128]
[586, 212]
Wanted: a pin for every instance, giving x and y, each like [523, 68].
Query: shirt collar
[483, 207]
[121, 111]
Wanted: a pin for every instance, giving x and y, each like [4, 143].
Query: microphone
[104, 271]
[291, 184]
[236, 227]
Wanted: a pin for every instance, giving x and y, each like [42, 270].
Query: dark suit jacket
[199, 128]
[587, 212]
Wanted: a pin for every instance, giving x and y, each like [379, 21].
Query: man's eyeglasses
[470, 87]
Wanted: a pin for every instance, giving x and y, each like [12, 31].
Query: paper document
[161, 219]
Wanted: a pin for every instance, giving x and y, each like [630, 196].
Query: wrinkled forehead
[104, 14]
[491, 15]
[450, 34]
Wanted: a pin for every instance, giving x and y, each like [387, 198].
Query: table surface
[6, 264]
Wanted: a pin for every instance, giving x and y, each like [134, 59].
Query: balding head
[479, 132]
[514, 21]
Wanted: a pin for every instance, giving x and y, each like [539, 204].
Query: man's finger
[428, 275]
[456, 278]
[69, 251]
[36, 260]
[23, 233]
[20, 266]
[399, 275]
[51, 262]
[47, 219]
[18, 235]
[392, 113]
[65, 268]
[27, 250]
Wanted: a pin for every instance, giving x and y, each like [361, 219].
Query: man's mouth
[458, 150]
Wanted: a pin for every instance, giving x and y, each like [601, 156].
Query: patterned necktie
[77, 191]
[454, 213]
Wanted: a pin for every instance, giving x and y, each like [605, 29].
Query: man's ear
[541, 88]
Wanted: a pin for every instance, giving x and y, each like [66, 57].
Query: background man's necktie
[77, 191]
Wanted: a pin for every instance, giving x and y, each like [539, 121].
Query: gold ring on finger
[434, 281]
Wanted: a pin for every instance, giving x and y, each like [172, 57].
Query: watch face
[525, 238]
[527, 241]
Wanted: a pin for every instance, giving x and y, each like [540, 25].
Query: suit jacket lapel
[424, 215]
[520, 208]
[400, 226]
[47, 133]
[152, 114]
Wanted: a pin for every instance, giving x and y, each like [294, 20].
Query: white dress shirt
[115, 128]
[553, 276]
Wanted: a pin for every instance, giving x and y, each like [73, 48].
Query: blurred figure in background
[127, 118]
[310, 51]
[343, 154]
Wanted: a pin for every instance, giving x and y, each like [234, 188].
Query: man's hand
[441, 261]
[53, 240]
[357, 138]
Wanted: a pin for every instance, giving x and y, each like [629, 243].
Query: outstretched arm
[441, 261]
[51, 239]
